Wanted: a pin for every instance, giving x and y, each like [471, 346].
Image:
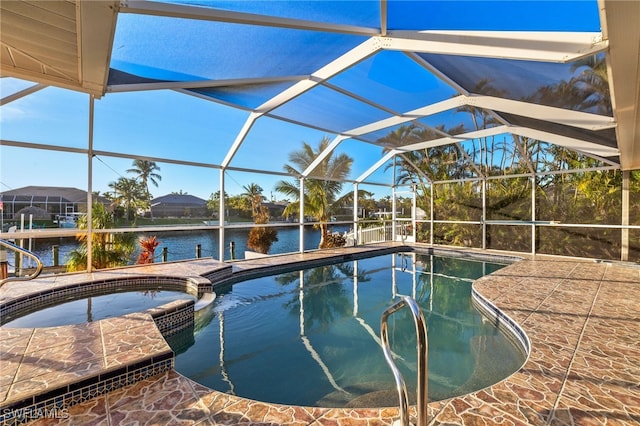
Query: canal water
[182, 245]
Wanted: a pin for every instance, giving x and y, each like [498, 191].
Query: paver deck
[582, 318]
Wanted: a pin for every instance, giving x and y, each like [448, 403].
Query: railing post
[4, 264]
[18, 259]
[56, 254]
[165, 254]
[198, 251]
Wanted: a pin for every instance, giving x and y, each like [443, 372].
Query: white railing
[380, 234]
[404, 232]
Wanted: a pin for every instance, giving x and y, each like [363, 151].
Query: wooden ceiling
[59, 43]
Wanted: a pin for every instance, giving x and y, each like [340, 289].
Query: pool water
[311, 337]
[95, 308]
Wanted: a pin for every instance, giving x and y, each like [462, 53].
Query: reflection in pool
[311, 337]
[96, 308]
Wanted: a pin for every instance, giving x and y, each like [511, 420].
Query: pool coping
[523, 398]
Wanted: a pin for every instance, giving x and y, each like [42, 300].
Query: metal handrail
[27, 253]
[421, 347]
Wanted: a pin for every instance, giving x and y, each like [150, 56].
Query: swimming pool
[311, 337]
[94, 308]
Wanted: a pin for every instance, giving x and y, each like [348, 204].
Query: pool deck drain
[582, 318]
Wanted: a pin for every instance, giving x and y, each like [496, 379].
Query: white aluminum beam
[521, 45]
[589, 148]
[470, 161]
[564, 116]
[409, 116]
[210, 99]
[240, 138]
[436, 72]
[457, 138]
[556, 115]
[46, 147]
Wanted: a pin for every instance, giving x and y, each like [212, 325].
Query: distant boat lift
[70, 220]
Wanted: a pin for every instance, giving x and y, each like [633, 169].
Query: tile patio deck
[582, 318]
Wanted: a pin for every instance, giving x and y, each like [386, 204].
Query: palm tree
[319, 195]
[213, 203]
[130, 194]
[587, 91]
[260, 237]
[403, 135]
[146, 172]
[253, 192]
[593, 82]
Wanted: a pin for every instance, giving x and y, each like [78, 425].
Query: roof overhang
[620, 26]
[59, 43]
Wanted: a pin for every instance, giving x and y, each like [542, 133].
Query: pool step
[368, 394]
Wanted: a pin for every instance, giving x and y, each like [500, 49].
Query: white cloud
[11, 113]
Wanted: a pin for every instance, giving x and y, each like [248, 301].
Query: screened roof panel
[328, 109]
[118, 77]
[460, 120]
[551, 84]
[394, 80]
[498, 15]
[439, 163]
[495, 155]
[247, 95]
[364, 13]
[395, 136]
[178, 49]
[606, 137]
